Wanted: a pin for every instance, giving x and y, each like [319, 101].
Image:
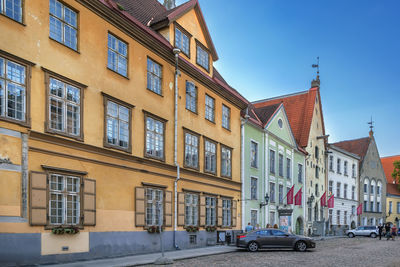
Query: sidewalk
[150, 258]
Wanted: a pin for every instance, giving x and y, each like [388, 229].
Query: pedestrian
[380, 230]
[387, 230]
[269, 226]
[394, 232]
[275, 226]
[257, 227]
[249, 227]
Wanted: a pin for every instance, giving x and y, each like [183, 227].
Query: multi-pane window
[191, 96]
[64, 204]
[345, 217]
[253, 154]
[210, 156]
[272, 192]
[280, 194]
[118, 55]
[378, 206]
[226, 117]
[182, 41]
[154, 207]
[365, 187]
[338, 166]
[253, 189]
[300, 173]
[154, 76]
[12, 90]
[398, 207]
[330, 216]
[316, 171]
[390, 207]
[372, 206]
[63, 24]
[226, 161]
[316, 190]
[288, 168]
[345, 191]
[316, 152]
[345, 168]
[353, 192]
[272, 161]
[253, 217]
[226, 212]
[191, 150]
[64, 107]
[330, 187]
[117, 128]
[338, 189]
[191, 209]
[280, 164]
[331, 163]
[210, 211]
[12, 9]
[372, 189]
[378, 189]
[365, 205]
[154, 138]
[202, 57]
[338, 217]
[210, 108]
[353, 210]
[353, 171]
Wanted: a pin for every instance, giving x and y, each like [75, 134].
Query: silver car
[371, 231]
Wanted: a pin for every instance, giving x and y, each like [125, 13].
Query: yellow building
[392, 191]
[87, 130]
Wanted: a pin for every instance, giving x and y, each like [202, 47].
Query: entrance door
[299, 226]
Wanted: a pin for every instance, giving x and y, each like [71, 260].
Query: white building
[343, 184]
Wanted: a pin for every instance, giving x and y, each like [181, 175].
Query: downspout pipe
[176, 52]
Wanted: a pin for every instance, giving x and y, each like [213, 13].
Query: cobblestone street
[352, 252]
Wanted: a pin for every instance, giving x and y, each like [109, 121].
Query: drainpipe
[176, 52]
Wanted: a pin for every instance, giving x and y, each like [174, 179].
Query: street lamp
[161, 260]
[310, 199]
[266, 198]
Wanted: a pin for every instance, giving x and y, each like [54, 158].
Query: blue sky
[266, 48]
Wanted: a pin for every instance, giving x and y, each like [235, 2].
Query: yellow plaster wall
[394, 214]
[10, 147]
[10, 193]
[53, 244]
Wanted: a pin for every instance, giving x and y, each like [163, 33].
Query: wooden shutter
[181, 209]
[168, 209]
[38, 198]
[219, 212]
[202, 210]
[234, 212]
[140, 206]
[89, 202]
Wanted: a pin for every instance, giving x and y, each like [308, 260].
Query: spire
[316, 82]
[169, 4]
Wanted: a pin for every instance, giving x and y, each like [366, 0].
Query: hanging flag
[289, 196]
[359, 209]
[297, 197]
[331, 202]
[323, 200]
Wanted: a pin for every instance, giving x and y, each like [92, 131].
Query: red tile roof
[142, 10]
[392, 189]
[265, 113]
[356, 146]
[299, 108]
[387, 164]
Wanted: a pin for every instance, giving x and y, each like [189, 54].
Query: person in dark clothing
[387, 229]
[380, 230]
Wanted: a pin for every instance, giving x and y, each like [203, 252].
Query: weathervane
[316, 82]
[316, 66]
[371, 124]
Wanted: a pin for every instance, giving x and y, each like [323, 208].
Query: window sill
[126, 77]
[76, 51]
[126, 150]
[213, 122]
[21, 23]
[191, 167]
[75, 137]
[154, 158]
[53, 226]
[228, 129]
[212, 173]
[21, 123]
[149, 89]
[194, 112]
[225, 176]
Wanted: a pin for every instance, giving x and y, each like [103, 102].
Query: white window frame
[191, 209]
[64, 24]
[211, 206]
[226, 212]
[253, 154]
[119, 121]
[209, 112]
[154, 76]
[226, 161]
[155, 137]
[191, 96]
[253, 188]
[210, 157]
[155, 204]
[226, 117]
[3, 10]
[192, 150]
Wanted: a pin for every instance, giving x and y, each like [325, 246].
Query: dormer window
[182, 39]
[202, 57]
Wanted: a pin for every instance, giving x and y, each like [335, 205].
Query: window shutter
[234, 212]
[89, 202]
[202, 210]
[168, 209]
[38, 198]
[181, 209]
[219, 212]
[140, 206]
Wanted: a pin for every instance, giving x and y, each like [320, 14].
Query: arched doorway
[299, 226]
[353, 225]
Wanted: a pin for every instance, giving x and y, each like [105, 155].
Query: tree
[396, 173]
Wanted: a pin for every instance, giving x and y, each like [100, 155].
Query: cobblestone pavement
[359, 251]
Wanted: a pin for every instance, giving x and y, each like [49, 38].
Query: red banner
[289, 196]
[359, 209]
[323, 200]
[331, 202]
[297, 197]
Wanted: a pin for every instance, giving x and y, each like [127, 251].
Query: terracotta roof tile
[392, 189]
[387, 164]
[299, 108]
[142, 10]
[266, 112]
[356, 146]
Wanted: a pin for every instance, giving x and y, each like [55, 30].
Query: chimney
[169, 4]
[371, 133]
[316, 82]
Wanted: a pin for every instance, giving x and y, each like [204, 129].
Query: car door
[359, 231]
[282, 239]
[264, 238]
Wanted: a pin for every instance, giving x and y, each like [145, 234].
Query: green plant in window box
[155, 229]
[71, 230]
[211, 228]
[192, 229]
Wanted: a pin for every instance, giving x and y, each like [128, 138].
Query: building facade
[343, 185]
[392, 191]
[372, 179]
[97, 150]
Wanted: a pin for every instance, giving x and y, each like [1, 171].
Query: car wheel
[373, 235]
[252, 246]
[301, 246]
[351, 235]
